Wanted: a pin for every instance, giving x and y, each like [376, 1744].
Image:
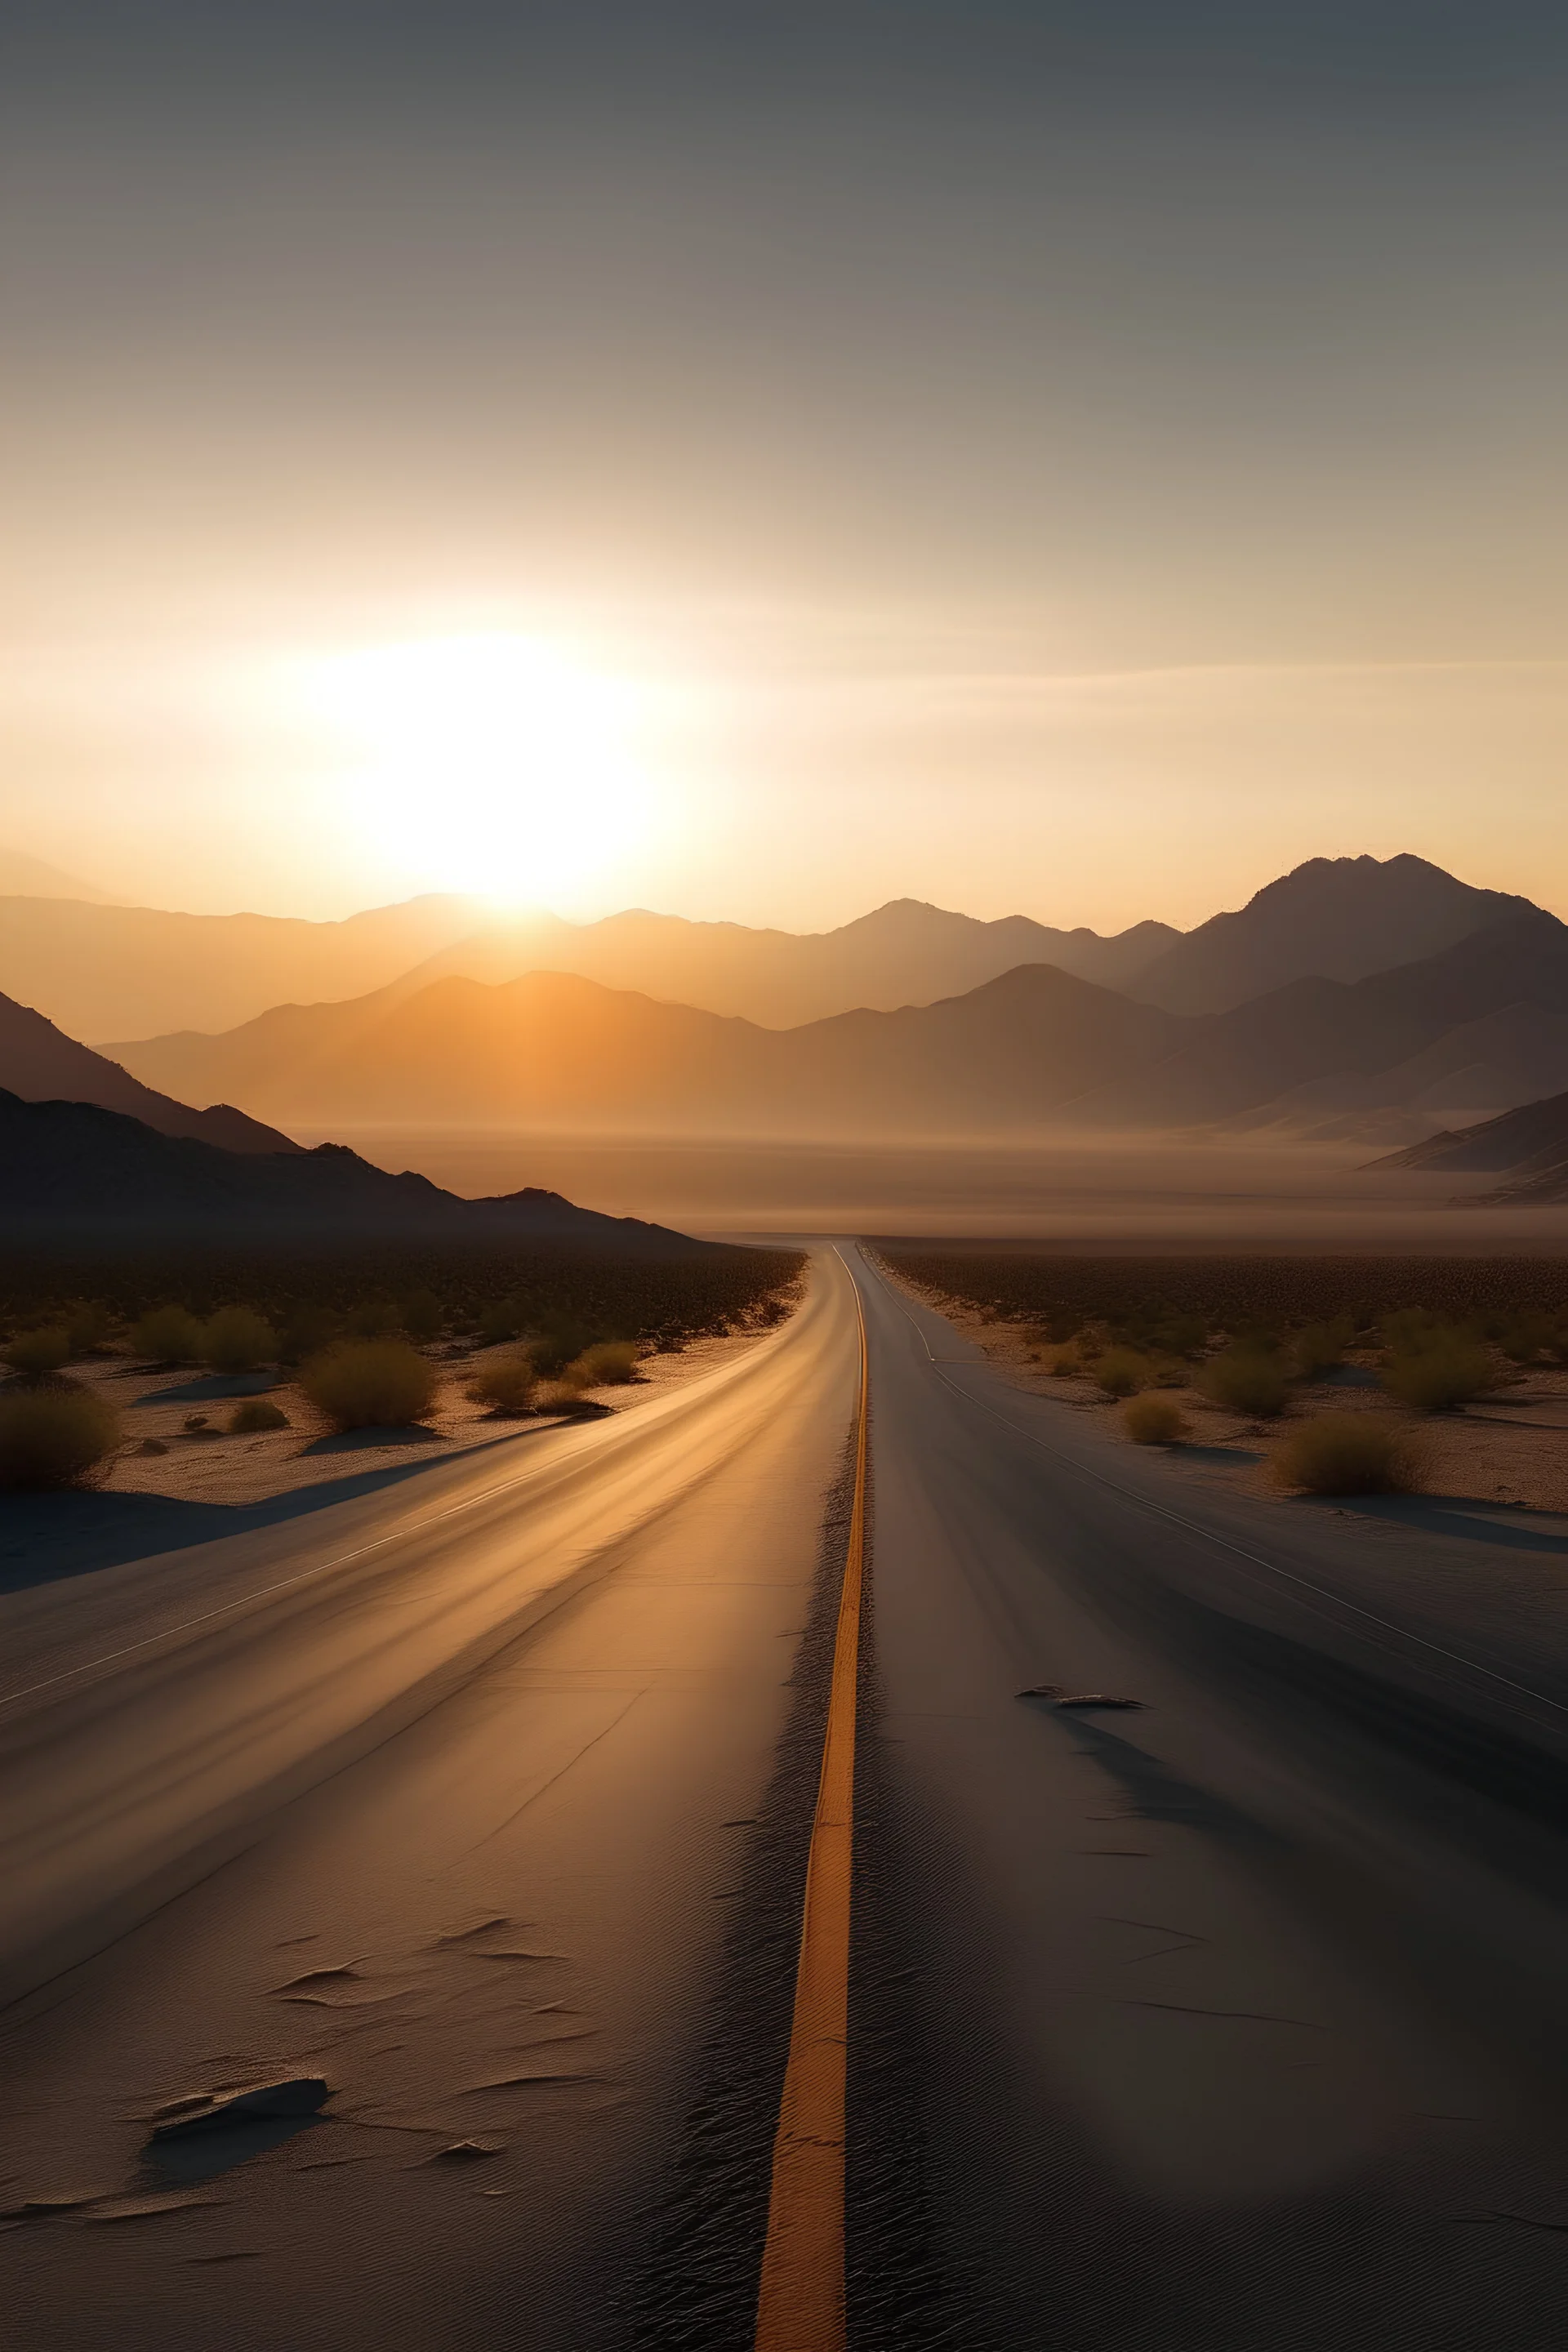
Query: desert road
[480, 1807]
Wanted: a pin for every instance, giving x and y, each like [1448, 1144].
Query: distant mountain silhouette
[40, 1065]
[1528, 1145]
[135, 973]
[554, 1049]
[903, 953]
[1333, 918]
[1319, 1040]
[1030, 1049]
[72, 1171]
[111, 970]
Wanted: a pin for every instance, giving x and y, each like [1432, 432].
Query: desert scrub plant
[1348, 1453]
[506, 1384]
[560, 1396]
[1153, 1420]
[254, 1413]
[559, 1342]
[54, 1436]
[609, 1364]
[34, 1353]
[1246, 1379]
[236, 1340]
[1447, 1369]
[1121, 1372]
[370, 1384]
[167, 1334]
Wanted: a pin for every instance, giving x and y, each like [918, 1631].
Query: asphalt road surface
[1233, 2019]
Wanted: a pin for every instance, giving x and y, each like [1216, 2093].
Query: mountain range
[1033, 1048]
[1463, 1011]
[905, 952]
[101, 969]
[104, 970]
[1333, 918]
[70, 1170]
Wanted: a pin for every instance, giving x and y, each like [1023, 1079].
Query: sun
[499, 765]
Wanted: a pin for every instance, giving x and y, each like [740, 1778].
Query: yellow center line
[800, 2307]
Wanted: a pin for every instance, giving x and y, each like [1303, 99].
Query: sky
[1076, 458]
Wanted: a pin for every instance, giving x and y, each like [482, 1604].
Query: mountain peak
[1329, 918]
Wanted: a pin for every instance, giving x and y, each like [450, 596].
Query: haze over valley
[990, 1072]
[1351, 1000]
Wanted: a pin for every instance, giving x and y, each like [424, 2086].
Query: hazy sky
[1076, 457]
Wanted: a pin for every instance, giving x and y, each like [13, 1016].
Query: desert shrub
[559, 1341]
[1246, 1379]
[1446, 1369]
[421, 1315]
[559, 1396]
[501, 1319]
[34, 1353]
[168, 1335]
[506, 1384]
[611, 1363]
[254, 1413]
[370, 1384]
[1348, 1453]
[1320, 1346]
[1153, 1420]
[54, 1436]
[236, 1340]
[1120, 1372]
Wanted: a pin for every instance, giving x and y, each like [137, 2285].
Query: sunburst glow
[496, 764]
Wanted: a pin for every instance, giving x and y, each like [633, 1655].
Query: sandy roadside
[1510, 1448]
[207, 1464]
